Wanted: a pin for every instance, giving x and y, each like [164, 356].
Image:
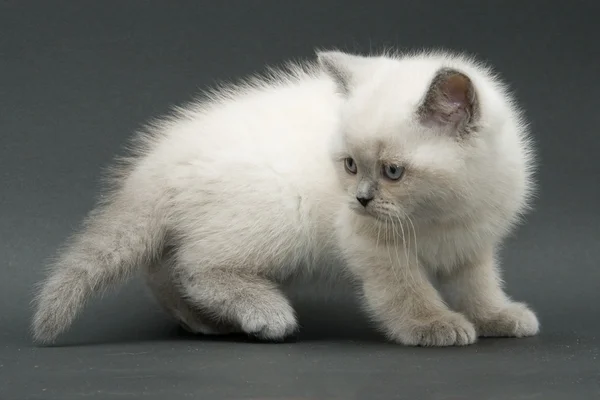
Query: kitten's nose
[364, 200]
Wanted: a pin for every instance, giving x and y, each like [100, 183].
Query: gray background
[78, 77]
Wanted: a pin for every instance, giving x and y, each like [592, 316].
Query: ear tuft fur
[341, 67]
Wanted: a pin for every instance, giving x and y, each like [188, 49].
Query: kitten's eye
[350, 166]
[393, 172]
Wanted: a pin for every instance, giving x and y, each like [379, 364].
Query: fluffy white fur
[249, 188]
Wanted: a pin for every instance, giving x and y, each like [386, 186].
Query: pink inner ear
[450, 99]
[456, 89]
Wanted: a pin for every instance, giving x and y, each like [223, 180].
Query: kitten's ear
[450, 101]
[343, 68]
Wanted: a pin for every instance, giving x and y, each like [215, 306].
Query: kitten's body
[233, 196]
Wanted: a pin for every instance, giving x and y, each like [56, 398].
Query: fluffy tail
[116, 239]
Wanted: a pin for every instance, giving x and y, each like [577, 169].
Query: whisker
[378, 232]
[415, 237]
[416, 244]
[406, 249]
[392, 264]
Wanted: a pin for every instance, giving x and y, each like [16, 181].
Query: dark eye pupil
[350, 165]
[393, 172]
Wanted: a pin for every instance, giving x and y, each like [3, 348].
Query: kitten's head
[430, 137]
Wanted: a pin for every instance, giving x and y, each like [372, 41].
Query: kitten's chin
[374, 217]
[367, 213]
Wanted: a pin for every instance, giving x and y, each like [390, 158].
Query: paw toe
[274, 325]
[516, 320]
[447, 330]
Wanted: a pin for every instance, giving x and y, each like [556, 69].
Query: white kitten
[402, 171]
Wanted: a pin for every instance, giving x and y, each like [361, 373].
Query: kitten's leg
[400, 297]
[161, 282]
[251, 303]
[476, 290]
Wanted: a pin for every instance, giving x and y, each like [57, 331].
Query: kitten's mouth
[366, 212]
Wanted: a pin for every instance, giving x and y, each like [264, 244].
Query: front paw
[448, 329]
[514, 320]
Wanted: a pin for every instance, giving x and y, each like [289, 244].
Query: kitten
[404, 172]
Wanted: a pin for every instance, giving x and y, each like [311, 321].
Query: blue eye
[350, 166]
[393, 172]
